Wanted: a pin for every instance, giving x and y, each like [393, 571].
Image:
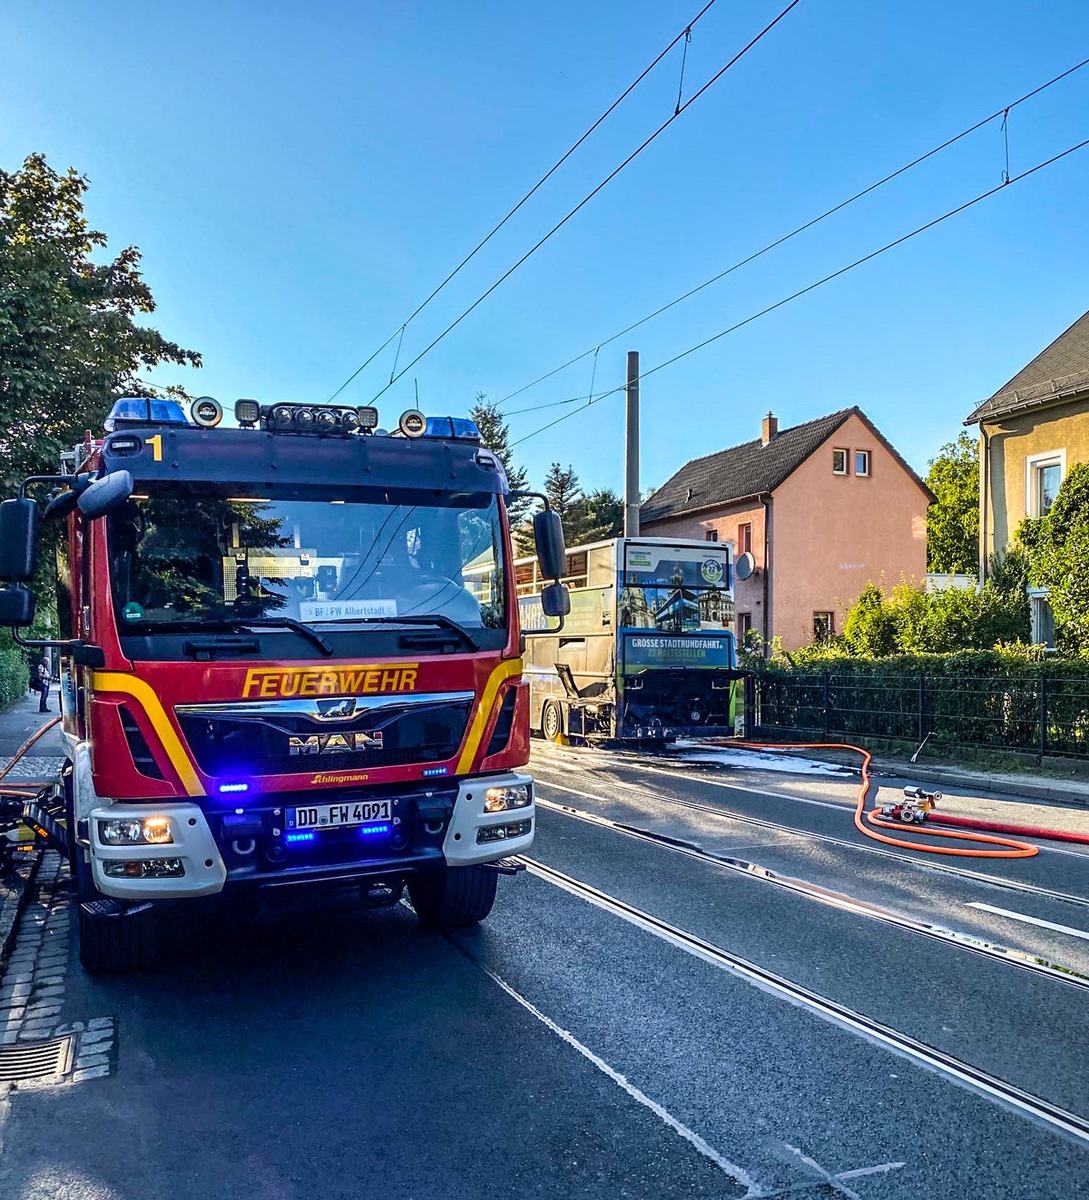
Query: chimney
[769, 429]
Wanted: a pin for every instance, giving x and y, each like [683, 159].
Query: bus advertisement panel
[676, 589]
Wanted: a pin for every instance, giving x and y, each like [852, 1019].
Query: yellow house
[1031, 432]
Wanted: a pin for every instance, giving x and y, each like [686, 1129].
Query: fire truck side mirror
[16, 607]
[555, 600]
[106, 495]
[548, 538]
[18, 539]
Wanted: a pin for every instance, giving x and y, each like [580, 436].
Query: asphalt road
[567, 1049]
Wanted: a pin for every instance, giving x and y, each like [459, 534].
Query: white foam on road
[755, 760]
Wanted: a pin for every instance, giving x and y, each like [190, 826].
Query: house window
[1043, 477]
[744, 538]
[823, 626]
[744, 627]
[1041, 617]
[839, 462]
[862, 463]
[711, 535]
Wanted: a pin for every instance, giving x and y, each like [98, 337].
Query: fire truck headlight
[500, 799]
[132, 831]
[157, 831]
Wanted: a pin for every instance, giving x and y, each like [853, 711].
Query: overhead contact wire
[685, 33]
[1001, 112]
[586, 199]
[820, 282]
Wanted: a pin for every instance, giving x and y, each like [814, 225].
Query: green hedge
[14, 672]
[984, 699]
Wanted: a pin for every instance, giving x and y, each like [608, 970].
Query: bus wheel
[552, 722]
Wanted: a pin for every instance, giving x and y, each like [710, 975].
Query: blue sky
[300, 176]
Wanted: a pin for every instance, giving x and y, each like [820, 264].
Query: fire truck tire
[454, 897]
[116, 945]
[552, 722]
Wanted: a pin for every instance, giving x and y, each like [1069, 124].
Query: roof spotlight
[304, 418]
[207, 411]
[413, 423]
[326, 420]
[281, 417]
[247, 412]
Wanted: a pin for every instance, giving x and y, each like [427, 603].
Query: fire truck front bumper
[165, 852]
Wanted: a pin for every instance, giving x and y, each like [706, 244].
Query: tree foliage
[952, 524]
[912, 621]
[495, 434]
[1057, 550]
[597, 517]
[586, 517]
[69, 341]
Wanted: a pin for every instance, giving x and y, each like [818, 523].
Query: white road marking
[736, 1173]
[836, 1180]
[1016, 916]
[902, 1044]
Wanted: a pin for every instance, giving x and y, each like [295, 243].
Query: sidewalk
[1020, 785]
[18, 722]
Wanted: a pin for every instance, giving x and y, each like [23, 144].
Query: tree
[912, 621]
[561, 486]
[495, 435]
[870, 627]
[1057, 547]
[952, 524]
[596, 517]
[69, 342]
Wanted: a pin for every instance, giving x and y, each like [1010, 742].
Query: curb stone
[15, 891]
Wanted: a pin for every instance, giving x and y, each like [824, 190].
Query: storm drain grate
[35, 1060]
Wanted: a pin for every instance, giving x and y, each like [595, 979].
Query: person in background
[44, 677]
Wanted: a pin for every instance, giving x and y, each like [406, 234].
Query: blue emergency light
[143, 410]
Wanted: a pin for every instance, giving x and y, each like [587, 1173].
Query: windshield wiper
[440, 620]
[298, 627]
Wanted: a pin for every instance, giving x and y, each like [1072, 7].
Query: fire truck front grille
[280, 738]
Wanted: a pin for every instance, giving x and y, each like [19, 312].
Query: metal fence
[1042, 713]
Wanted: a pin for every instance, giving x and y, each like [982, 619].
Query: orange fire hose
[1013, 849]
[13, 790]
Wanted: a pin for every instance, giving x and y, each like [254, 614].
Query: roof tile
[746, 470]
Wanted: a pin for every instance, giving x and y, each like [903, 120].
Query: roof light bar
[322, 420]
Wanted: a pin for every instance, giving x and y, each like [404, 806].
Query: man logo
[334, 743]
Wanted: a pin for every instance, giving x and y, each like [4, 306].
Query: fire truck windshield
[189, 557]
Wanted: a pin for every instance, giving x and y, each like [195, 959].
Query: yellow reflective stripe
[487, 703]
[129, 685]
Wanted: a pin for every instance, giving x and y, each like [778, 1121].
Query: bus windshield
[675, 589]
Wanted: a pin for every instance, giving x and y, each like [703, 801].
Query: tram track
[725, 814]
[995, 1089]
[965, 941]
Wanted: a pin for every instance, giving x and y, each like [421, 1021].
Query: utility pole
[631, 441]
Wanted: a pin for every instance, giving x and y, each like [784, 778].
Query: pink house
[823, 509]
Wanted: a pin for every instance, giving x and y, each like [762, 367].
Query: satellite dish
[745, 566]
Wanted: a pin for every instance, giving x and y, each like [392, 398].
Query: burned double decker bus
[647, 653]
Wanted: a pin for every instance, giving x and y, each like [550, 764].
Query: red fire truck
[291, 657]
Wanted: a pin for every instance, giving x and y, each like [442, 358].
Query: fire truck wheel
[116, 945]
[552, 721]
[453, 897]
